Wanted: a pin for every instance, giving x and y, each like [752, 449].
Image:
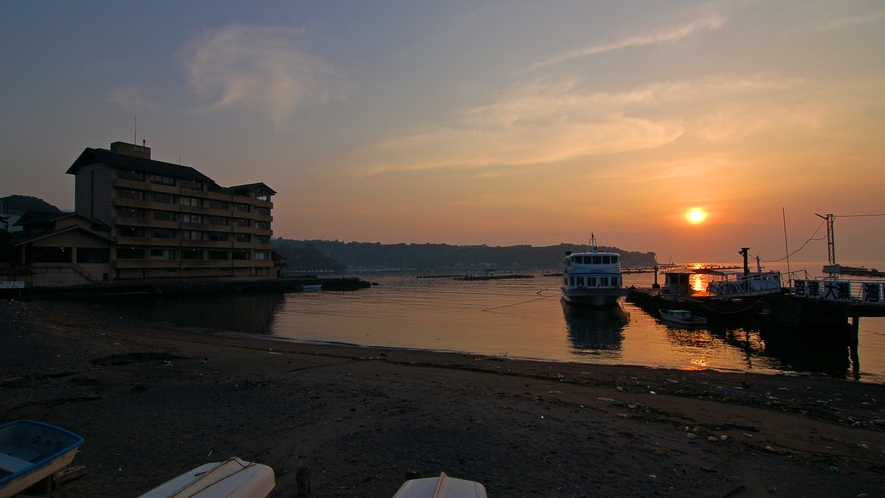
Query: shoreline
[153, 402]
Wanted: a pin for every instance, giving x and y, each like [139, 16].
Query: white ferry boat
[593, 278]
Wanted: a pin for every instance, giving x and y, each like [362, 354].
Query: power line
[857, 215]
[802, 247]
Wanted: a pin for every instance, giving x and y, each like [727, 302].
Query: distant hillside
[306, 258]
[18, 204]
[366, 255]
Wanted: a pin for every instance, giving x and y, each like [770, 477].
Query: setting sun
[695, 215]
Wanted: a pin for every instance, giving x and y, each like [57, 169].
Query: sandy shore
[153, 402]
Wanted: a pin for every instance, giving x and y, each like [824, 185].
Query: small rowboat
[441, 487]
[682, 317]
[32, 451]
[232, 478]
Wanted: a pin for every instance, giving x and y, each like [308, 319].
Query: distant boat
[593, 278]
[682, 317]
[31, 451]
[232, 478]
[312, 287]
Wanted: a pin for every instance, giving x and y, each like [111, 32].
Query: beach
[154, 401]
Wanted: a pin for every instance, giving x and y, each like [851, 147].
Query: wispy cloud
[842, 22]
[259, 68]
[657, 37]
[554, 122]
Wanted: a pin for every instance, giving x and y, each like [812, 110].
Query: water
[519, 318]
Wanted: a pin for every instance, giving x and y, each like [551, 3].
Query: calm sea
[519, 318]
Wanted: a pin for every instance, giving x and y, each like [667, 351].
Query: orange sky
[501, 123]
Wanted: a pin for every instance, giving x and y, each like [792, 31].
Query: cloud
[843, 22]
[259, 68]
[552, 122]
[669, 35]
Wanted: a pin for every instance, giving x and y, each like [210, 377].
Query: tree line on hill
[321, 255]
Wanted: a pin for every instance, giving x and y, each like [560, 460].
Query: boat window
[614, 259]
[603, 281]
[571, 281]
[596, 260]
[580, 281]
[606, 260]
[591, 281]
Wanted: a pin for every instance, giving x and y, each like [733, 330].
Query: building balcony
[132, 203]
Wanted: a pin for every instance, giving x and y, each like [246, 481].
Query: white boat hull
[233, 478]
[594, 298]
[441, 487]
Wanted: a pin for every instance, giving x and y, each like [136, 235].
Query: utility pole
[831, 243]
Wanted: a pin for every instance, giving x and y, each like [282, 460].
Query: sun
[695, 215]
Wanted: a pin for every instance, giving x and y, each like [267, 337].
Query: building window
[190, 201]
[191, 254]
[163, 216]
[131, 232]
[243, 208]
[240, 222]
[191, 235]
[163, 233]
[191, 218]
[50, 254]
[165, 198]
[240, 255]
[193, 185]
[92, 255]
[262, 239]
[261, 255]
[163, 253]
[132, 213]
[130, 253]
[128, 193]
[217, 220]
[130, 175]
[243, 237]
[218, 205]
[261, 197]
[262, 225]
[162, 180]
[218, 255]
[217, 237]
[263, 211]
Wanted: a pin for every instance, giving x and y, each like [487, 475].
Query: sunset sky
[482, 122]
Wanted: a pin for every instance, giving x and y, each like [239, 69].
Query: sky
[483, 122]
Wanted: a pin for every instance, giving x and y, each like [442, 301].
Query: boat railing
[752, 284]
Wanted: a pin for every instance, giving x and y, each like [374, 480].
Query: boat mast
[592, 242]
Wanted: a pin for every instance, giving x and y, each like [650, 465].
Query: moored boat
[682, 317]
[593, 278]
[32, 451]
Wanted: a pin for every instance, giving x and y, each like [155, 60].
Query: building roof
[42, 217]
[132, 163]
[251, 187]
[19, 238]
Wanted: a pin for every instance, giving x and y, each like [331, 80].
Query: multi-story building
[169, 221]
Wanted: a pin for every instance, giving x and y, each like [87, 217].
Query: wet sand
[152, 402]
